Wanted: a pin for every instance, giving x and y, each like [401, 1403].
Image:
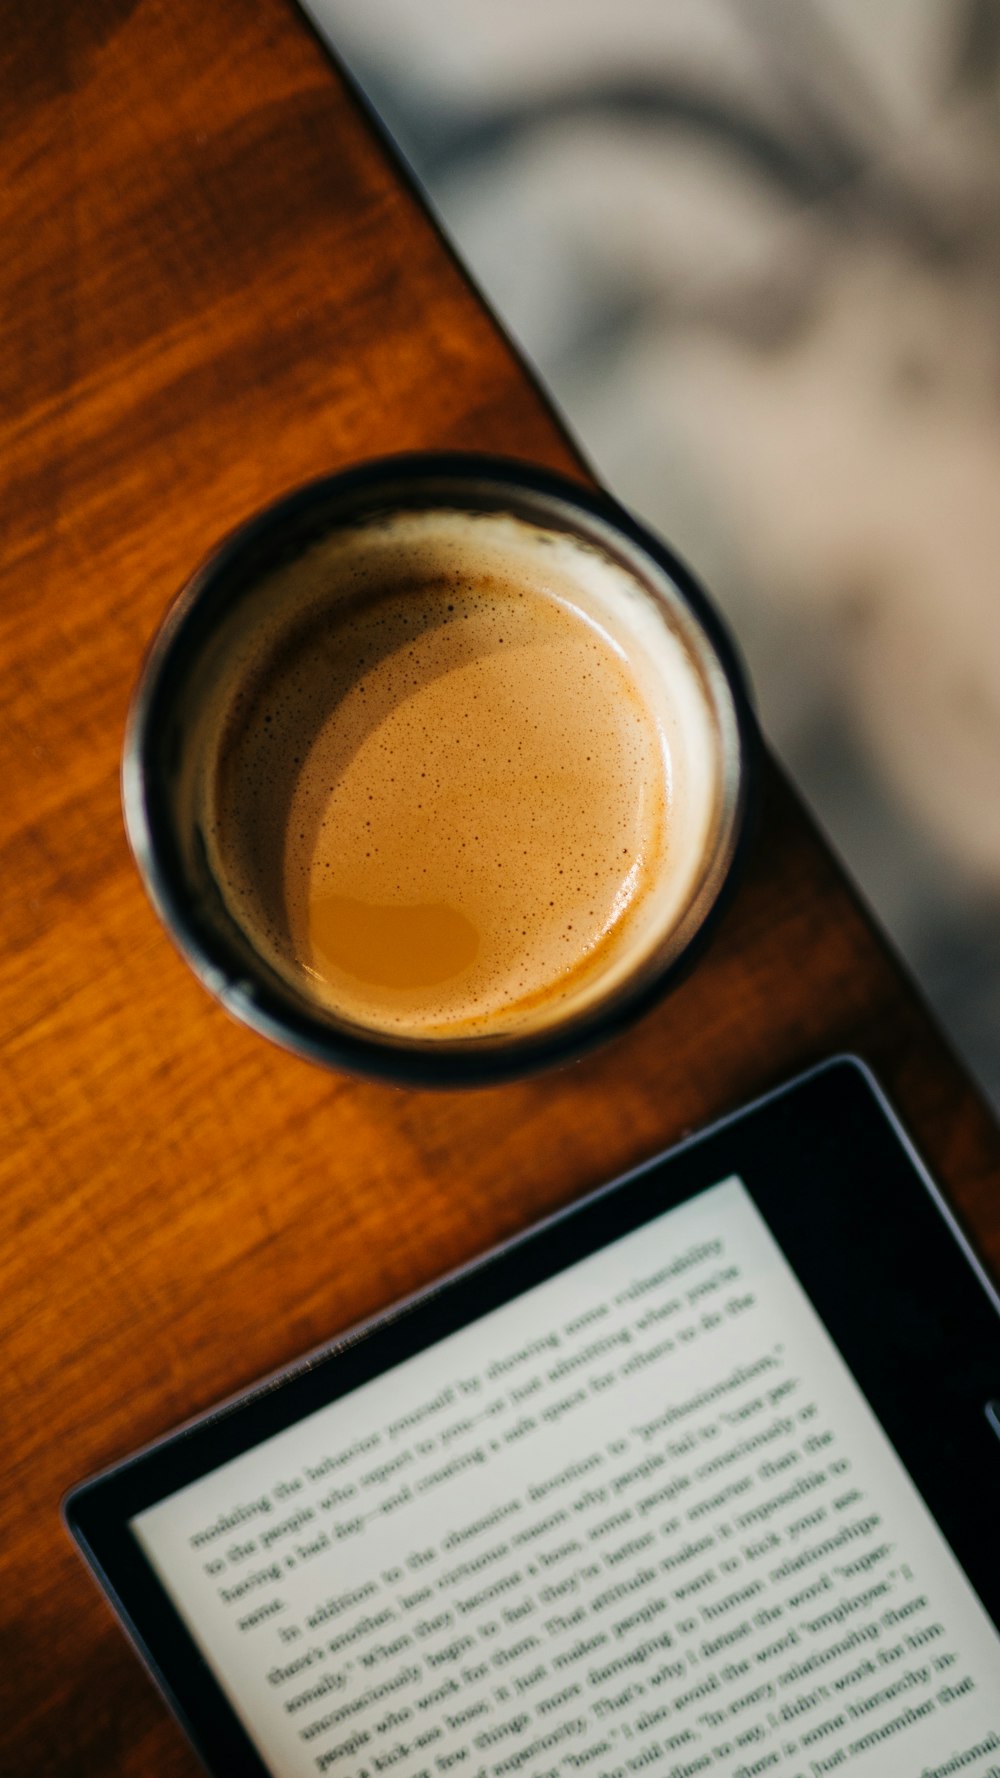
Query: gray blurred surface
[753, 249]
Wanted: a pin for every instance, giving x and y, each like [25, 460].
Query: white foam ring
[367, 682]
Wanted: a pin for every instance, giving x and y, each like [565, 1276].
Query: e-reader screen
[639, 1517]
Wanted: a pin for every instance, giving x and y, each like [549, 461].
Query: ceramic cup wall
[171, 757]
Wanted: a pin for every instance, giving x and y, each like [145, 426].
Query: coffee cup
[438, 769]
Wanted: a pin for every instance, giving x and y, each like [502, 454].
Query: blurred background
[753, 249]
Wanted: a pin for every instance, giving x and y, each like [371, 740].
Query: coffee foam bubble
[455, 746]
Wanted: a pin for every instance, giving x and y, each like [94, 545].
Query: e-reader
[699, 1476]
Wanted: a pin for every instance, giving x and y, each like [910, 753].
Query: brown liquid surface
[472, 799]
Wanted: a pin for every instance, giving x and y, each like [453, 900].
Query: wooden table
[217, 283]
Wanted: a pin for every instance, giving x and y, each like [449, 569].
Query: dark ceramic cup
[167, 756]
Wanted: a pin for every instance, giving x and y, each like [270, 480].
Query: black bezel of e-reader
[862, 1225]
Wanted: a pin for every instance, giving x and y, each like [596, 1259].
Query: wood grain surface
[217, 284]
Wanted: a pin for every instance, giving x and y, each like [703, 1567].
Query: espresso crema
[461, 777]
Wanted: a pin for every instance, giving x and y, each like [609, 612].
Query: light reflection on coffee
[387, 944]
[462, 774]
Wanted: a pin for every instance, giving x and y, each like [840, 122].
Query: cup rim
[263, 1001]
